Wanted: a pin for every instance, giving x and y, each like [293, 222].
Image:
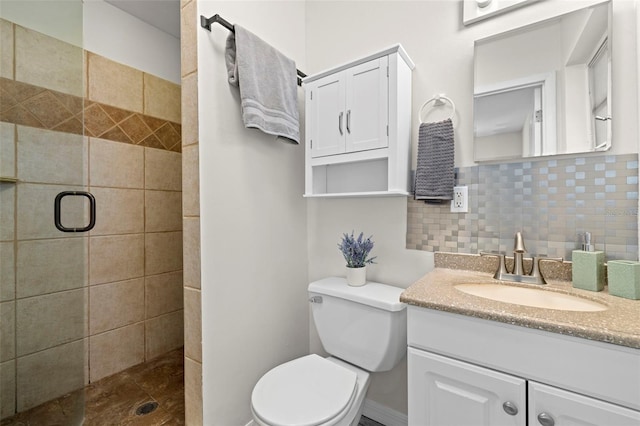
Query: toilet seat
[307, 391]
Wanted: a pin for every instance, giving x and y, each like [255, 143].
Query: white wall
[58, 19]
[442, 48]
[114, 34]
[253, 222]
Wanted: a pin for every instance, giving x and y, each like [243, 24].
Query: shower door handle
[92, 211]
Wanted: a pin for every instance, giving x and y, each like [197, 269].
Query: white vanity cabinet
[358, 127]
[470, 371]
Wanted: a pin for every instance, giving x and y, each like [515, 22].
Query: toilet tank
[365, 326]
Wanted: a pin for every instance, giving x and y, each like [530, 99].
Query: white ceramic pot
[357, 276]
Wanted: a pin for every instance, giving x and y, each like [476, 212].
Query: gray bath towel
[268, 84]
[435, 174]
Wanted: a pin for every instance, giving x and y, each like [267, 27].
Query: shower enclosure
[84, 141]
[44, 271]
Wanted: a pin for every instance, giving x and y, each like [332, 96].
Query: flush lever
[315, 299]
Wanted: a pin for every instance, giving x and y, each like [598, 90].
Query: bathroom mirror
[544, 89]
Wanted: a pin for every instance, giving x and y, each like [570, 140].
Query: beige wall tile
[163, 334]
[116, 350]
[53, 319]
[191, 180]
[161, 98]
[163, 252]
[8, 330]
[6, 49]
[162, 169]
[190, 109]
[115, 305]
[48, 62]
[118, 211]
[193, 392]
[46, 156]
[116, 164]
[7, 272]
[7, 149]
[7, 209]
[163, 293]
[163, 211]
[46, 266]
[191, 241]
[49, 374]
[188, 51]
[35, 205]
[116, 258]
[192, 324]
[7, 389]
[114, 84]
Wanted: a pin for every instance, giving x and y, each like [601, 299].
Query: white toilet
[364, 329]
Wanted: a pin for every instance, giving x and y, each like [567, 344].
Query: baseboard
[385, 415]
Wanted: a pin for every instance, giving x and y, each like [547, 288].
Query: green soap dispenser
[588, 266]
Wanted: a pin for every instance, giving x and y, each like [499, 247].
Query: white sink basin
[537, 298]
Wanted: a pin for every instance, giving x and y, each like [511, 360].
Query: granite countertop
[619, 324]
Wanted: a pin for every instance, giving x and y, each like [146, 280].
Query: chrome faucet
[517, 273]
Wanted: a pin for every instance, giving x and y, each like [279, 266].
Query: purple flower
[356, 250]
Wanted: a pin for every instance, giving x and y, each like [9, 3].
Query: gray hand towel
[435, 173]
[268, 84]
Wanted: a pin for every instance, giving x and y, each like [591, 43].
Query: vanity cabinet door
[443, 391]
[549, 406]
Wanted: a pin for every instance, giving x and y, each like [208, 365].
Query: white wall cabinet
[358, 127]
[454, 381]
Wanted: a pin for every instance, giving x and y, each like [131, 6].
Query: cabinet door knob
[340, 122]
[546, 420]
[349, 121]
[510, 408]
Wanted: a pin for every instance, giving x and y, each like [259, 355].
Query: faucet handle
[535, 270]
[502, 266]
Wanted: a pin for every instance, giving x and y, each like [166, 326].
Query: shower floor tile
[114, 399]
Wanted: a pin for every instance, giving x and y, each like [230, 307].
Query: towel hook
[438, 100]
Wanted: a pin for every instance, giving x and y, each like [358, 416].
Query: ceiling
[162, 14]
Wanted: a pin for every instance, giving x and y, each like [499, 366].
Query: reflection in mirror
[545, 89]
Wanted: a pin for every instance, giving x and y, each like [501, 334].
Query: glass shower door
[43, 153]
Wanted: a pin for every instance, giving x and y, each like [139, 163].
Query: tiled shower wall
[78, 307]
[191, 212]
[552, 202]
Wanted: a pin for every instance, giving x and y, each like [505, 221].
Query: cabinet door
[549, 406]
[367, 106]
[443, 391]
[328, 120]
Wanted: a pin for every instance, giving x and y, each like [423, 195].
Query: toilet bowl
[310, 391]
[363, 329]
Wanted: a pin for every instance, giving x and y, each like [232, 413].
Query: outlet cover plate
[460, 202]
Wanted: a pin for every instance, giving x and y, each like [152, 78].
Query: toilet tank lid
[381, 296]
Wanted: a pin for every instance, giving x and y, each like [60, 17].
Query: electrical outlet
[460, 202]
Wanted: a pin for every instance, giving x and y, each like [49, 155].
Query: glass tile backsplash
[551, 202]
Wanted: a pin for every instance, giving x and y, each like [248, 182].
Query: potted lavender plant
[356, 253]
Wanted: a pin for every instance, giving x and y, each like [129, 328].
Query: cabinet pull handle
[348, 121]
[546, 420]
[510, 408]
[340, 122]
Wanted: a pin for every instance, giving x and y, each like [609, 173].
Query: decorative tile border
[551, 201]
[30, 105]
